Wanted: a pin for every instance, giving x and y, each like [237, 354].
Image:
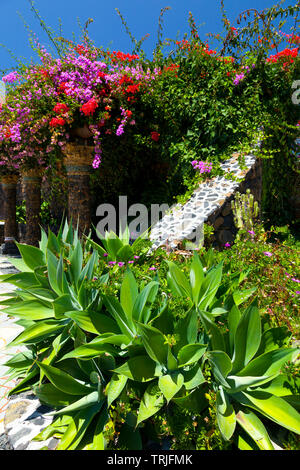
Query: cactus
[245, 210]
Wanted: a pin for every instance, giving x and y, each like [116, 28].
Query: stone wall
[211, 204]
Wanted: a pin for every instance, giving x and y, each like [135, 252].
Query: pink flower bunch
[203, 167]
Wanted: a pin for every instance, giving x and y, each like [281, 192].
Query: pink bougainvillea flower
[267, 253]
[227, 245]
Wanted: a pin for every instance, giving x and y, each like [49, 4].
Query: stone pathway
[8, 331]
[185, 222]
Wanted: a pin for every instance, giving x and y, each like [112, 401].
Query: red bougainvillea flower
[57, 122]
[60, 108]
[89, 107]
[155, 136]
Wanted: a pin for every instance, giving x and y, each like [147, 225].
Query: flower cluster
[203, 167]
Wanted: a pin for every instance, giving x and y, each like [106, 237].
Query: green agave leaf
[115, 387]
[128, 293]
[234, 317]
[210, 286]
[170, 384]
[117, 312]
[281, 386]
[25, 384]
[22, 280]
[91, 349]
[225, 415]
[42, 294]
[196, 277]
[241, 296]
[269, 363]
[52, 266]
[247, 338]
[98, 440]
[194, 401]
[190, 354]
[154, 343]
[20, 360]
[125, 253]
[255, 428]
[93, 322]
[274, 338]
[76, 261]
[274, 408]
[31, 310]
[31, 255]
[213, 331]
[178, 282]
[62, 305]
[151, 403]
[38, 332]
[237, 383]
[139, 368]
[83, 402]
[44, 240]
[77, 427]
[142, 304]
[51, 395]
[187, 330]
[193, 377]
[63, 381]
[221, 366]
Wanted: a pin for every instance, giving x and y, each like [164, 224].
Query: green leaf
[234, 317]
[210, 286]
[190, 354]
[77, 427]
[31, 310]
[225, 415]
[63, 381]
[194, 401]
[130, 438]
[154, 343]
[128, 293]
[241, 296]
[31, 255]
[143, 302]
[22, 280]
[274, 408]
[213, 331]
[170, 384]
[51, 395]
[84, 402]
[237, 383]
[193, 377]
[178, 282]
[115, 387]
[255, 428]
[93, 322]
[269, 363]
[38, 332]
[117, 312]
[221, 366]
[76, 263]
[247, 338]
[274, 338]
[98, 442]
[139, 368]
[196, 277]
[151, 403]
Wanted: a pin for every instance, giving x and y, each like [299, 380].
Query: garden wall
[210, 204]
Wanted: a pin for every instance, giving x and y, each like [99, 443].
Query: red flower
[89, 107]
[60, 108]
[129, 113]
[56, 122]
[155, 136]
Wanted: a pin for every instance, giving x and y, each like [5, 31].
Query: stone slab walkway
[8, 331]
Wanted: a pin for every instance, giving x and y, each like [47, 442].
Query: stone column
[9, 186]
[78, 162]
[32, 191]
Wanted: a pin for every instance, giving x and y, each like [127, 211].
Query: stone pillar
[78, 162]
[32, 191]
[9, 187]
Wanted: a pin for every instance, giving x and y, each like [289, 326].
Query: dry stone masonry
[210, 203]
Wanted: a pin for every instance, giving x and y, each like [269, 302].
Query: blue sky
[107, 29]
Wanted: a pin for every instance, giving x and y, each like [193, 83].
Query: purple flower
[121, 263]
[227, 245]
[295, 280]
[130, 262]
[105, 254]
[251, 232]
[111, 263]
[297, 292]
[136, 257]
[267, 253]
[152, 268]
